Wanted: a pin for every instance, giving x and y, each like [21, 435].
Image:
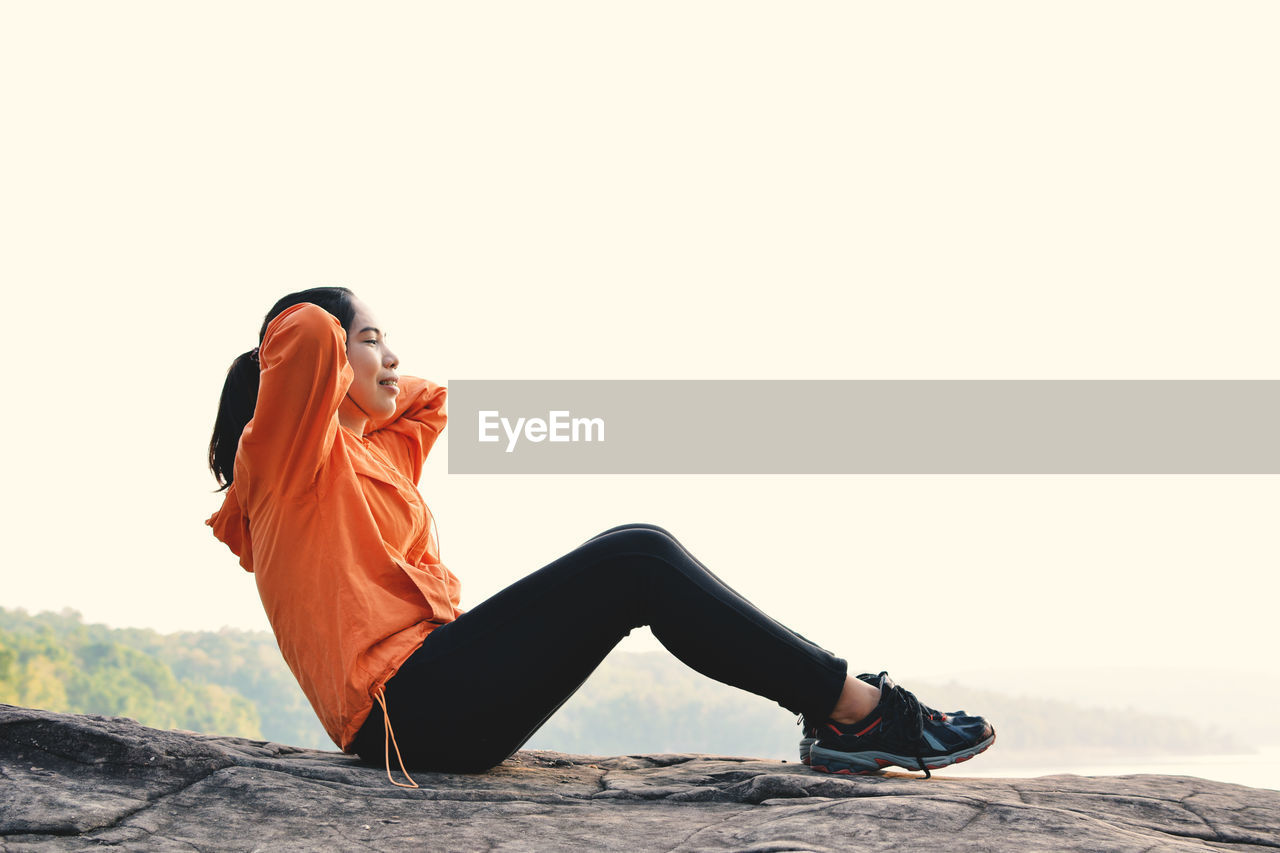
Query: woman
[319, 443]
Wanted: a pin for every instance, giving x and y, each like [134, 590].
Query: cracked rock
[71, 782]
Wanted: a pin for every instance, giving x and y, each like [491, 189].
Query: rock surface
[71, 782]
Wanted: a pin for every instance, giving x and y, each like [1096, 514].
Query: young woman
[319, 444]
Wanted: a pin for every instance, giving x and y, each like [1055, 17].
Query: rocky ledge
[74, 782]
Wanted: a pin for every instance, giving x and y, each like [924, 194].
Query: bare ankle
[857, 700]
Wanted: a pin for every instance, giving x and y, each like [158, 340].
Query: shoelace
[911, 716]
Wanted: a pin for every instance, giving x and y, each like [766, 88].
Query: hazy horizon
[1098, 722]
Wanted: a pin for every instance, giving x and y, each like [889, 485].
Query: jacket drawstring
[388, 741]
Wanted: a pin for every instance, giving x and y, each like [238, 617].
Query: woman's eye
[373, 341]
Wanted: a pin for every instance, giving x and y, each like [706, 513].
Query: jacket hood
[232, 527]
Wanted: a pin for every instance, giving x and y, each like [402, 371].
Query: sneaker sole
[858, 763]
[806, 744]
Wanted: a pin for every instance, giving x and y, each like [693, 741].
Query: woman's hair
[240, 391]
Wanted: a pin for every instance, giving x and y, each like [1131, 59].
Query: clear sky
[658, 190]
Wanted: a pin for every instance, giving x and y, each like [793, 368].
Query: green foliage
[228, 682]
[235, 683]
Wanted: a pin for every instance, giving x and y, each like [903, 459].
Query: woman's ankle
[857, 700]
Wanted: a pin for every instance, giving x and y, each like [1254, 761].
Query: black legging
[480, 686]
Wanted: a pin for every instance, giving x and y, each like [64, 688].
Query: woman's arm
[304, 378]
[408, 436]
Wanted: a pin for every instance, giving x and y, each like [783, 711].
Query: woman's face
[376, 385]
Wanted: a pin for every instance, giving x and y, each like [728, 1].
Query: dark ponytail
[240, 391]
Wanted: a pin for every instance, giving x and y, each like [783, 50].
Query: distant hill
[1236, 702]
[235, 683]
[653, 703]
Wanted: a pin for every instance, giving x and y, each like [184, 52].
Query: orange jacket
[331, 524]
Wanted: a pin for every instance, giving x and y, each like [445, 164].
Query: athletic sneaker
[899, 732]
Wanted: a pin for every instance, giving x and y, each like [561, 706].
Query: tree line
[233, 682]
[217, 682]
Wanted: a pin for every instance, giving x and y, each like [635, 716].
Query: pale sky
[658, 190]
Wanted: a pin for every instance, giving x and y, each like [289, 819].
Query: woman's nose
[390, 359]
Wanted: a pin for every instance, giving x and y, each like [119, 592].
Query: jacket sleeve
[408, 435]
[305, 376]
